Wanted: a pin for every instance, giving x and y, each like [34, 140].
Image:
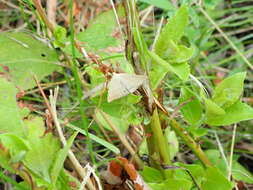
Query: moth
[122, 84]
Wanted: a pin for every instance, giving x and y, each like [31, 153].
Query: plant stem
[80, 170]
[189, 141]
[79, 84]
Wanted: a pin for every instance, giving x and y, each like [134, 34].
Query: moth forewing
[122, 84]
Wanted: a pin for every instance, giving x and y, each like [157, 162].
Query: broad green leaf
[177, 53]
[172, 184]
[192, 110]
[237, 112]
[99, 34]
[229, 90]
[197, 172]
[102, 33]
[238, 171]
[122, 112]
[182, 54]
[151, 175]
[173, 31]
[17, 146]
[44, 147]
[60, 158]
[163, 4]
[216, 159]
[161, 67]
[214, 178]
[212, 108]
[25, 56]
[10, 117]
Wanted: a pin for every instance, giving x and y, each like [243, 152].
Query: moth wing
[123, 84]
[115, 90]
[132, 82]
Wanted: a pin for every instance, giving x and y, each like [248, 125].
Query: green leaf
[25, 56]
[17, 146]
[229, 90]
[237, 112]
[60, 34]
[151, 175]
[212, 108]
[161, 67]
[40, 157]
[177, 53]
[182, 54]
[60, 158]
[172, 184]
[214, 178]
[238, 171]
[192, 110]
[173, 31]
[100, 34]
[122, 112]
[197, 172]
[10, 117]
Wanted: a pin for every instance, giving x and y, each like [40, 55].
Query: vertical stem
[78, 84]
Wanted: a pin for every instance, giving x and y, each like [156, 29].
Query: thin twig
[80, 170]
[43, 15]
[158, 32]
[51, 11]
[122, 138]
[85, 180]
[117, 19]
[52, 109]
[232, 152]
[43, 95]
[221, 149]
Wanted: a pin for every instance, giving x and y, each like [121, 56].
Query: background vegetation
[103, 94]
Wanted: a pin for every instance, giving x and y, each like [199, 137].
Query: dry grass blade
[80, 170]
